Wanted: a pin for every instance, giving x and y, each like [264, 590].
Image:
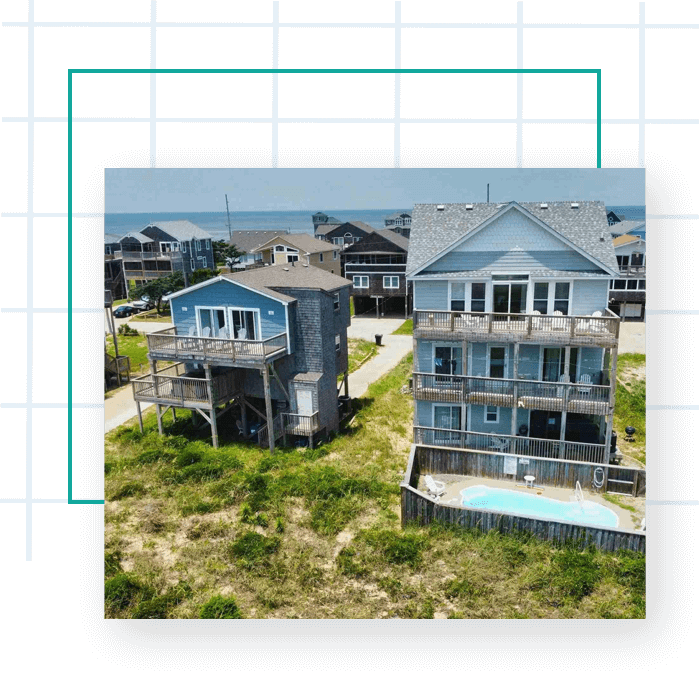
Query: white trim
[578, 361]
[391, 287]
[209, 308]
[256, 313]
[461, 406]
[360, 287]
[211, 281]
[497, 414]
[507, 359]
[497, 215]
[447, 344]
[288, 329]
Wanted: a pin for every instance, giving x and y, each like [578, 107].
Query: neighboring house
[613, 218]
[269, 342]
[399, 222]
[515, 348]
[248, 241]
[627, 294]
[114, 281]
[322, 219]
[162, 248]
[303, 247]
[376, 267]
[344, 234]
[626, 226]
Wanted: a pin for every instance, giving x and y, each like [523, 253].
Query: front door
[304, 402]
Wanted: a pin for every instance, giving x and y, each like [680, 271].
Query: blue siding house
[268, 342]
[515, 348]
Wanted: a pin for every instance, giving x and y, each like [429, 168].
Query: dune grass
[359, 351]
[197, 532]
[630, 406]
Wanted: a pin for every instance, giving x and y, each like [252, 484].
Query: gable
[374, 242]
[158, 234]
[513, 241]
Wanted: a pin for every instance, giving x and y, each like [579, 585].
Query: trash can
[378, 338]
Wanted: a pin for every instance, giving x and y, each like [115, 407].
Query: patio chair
[435, 487]
[222, 334]
[192, 331]
[558, 322]
[536, 322]
[499, 444]
[597, 325]
[564, 379]
[585, 387]
[206, 332]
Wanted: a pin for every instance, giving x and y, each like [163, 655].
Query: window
[457, 294]
[184, 246]
[509, 297]
[620, 284]
[348, 235]
[553, 364]
[291, 257]
[622, 260]
[211, 322]
[641, 284]
[541, 298]
[334, 255]
[561, 301]
[245, 323]
[631, 284]
[478, 297]
[492, 415]
[198, 245]
[447, 359]
[279, 248]
[338, 241]
[336, 301]
[360, 281]
[337, 343]
[320, 257]
[497, 357]
[208, 244]
[391, 282]
[447, 417]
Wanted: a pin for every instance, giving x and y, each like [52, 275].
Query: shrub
[129, 489]
[159, 606]
[112, 563]
[253, 550]
[396, 548]
[126, 330]
[120, 591]
[347, 565]
[219, 607]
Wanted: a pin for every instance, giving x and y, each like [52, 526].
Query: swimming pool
[534, 506]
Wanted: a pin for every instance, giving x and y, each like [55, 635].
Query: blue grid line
[152, 86]
[29, 491]
[641, 84]
[535, 121]
[308, 24]
[396, 88]
[520, 80]
[275, 84]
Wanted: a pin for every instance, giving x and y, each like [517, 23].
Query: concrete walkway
[366, 328]
[120, 407]
[632, 337]
[394, 350]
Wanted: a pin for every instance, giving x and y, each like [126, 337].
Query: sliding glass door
[509, 297]
[554, 364]
[245, 324]
[211, 322]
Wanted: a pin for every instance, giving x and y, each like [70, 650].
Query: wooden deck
[518, 327]
[168, 345]
[531, 395]
[172, 386]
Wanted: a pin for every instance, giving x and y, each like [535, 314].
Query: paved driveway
[366, 328]
[632, 338]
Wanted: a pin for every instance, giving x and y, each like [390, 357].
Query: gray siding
[431, 294]
[589, 296]
[513, 260]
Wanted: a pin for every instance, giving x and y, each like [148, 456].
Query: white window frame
[198, 245]
[451, 345]
[360, 286]
[208, 244]
[464, 414]
[390, 278]
[258, 320]
[578, 362]
[336, 301]
[334, 255]
[338, 343]
[450, 294]
[197, 319]
[507, 360]
[469, 296]
[485, 415]
[184, 246]
[320, 257]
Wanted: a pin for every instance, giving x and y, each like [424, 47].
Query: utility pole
[230, 235]
[488, 195]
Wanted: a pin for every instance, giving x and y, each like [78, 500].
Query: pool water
[534, 506]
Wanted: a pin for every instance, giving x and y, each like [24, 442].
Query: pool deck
[454, 485]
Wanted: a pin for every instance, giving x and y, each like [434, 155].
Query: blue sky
[202, 190]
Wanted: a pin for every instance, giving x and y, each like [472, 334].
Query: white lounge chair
[558, 323]
[192, 331]
[585, 387]
[597, 325]
[435, 487]
[206, 332]
[222, 334]
[498, 444]
[560, 391]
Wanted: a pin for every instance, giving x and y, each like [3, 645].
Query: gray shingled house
[343, 234]
[399, 222]
[268, 342]
[515, 348]
[376, 267]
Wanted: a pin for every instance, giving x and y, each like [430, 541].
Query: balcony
[169, 345]
[518, 445]
[172, 386]
[632, 271]
[523, 393]
[602, 330]
[300, 424]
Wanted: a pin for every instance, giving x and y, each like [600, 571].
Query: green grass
[153, 316]
[316, 533]
[351, 307]
[119, 302]
[359, 351]
[406, 327]
[630, 406]
[134, 347]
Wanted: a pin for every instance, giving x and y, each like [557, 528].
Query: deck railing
[528, 394]
[630, 270]
[519, 445]
[300, 424]
[168, 344]
[518, 326]
[172, 387]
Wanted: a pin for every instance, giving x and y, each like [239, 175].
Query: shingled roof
[182, 229]
[395, 238]
[302, 241]
[395, 215]
[247, 241]
[434, 231]
[324, 229]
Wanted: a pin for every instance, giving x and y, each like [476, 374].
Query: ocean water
[296, 221]
[216, 222]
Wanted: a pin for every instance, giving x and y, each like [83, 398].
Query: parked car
[125, 311]
[142, 305]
